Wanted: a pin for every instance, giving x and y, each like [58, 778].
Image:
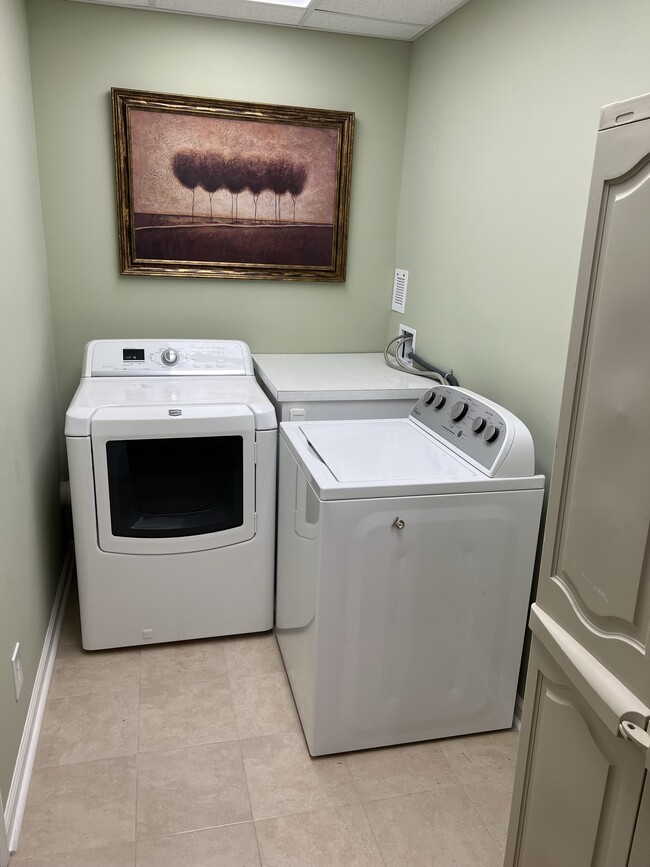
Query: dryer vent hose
[429, 370]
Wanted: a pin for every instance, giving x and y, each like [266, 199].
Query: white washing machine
[337, 385]
[172, 456]
[404, 566]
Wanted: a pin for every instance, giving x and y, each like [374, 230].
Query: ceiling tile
[242, 10]
[405, 11]
[360, 26]
[388, 19]
[140, 3]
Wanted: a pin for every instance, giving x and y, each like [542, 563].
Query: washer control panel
[167, 357]
[471, 425]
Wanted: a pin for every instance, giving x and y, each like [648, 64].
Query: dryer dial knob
[169, 357]
[439, 401]
[458, 410]
[491, 433]
[430, 397]
[478, 424]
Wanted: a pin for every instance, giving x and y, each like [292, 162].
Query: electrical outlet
[17, 668]
[407, 346]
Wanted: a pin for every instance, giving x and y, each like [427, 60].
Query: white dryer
[404, 566]
[172, 456]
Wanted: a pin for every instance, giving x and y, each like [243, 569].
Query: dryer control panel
[479, 430]
[167, 358]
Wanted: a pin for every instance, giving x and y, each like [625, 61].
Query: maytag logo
[175, 411]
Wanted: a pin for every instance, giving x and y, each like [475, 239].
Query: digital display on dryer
[133, 355]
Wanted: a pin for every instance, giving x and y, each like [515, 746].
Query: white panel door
[578, 789]
[577, 793]
[640, 854]
[595, 570]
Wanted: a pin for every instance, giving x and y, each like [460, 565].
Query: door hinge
[632, 732]
[255, 452]
[255, 522]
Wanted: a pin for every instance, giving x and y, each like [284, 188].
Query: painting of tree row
[213, 171]
[213, 188]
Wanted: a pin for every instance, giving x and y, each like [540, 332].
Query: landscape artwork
[213, 188]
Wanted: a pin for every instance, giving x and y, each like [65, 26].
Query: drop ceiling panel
[405, 11]
[135, 3]
[360, 26]
[242, 10]
[386, 19]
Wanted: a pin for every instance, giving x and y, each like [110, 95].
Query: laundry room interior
[471, 166]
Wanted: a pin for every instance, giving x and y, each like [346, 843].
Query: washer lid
[390, 450]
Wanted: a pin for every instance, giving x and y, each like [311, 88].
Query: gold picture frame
[214, 188]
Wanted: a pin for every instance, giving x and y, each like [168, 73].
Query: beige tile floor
[191, 755]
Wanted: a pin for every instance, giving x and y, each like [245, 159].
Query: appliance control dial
[169, 357]
[458, 410]
[469, 425]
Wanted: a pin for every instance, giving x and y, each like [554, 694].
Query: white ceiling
[386, 19]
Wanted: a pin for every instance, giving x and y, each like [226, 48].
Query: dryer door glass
[160, 488]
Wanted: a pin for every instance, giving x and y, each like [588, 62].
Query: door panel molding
[577, 793]
[595, 565]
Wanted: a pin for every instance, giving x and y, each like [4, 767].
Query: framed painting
[213, 188]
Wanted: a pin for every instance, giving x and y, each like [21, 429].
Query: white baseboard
[17, 797]
[519, 712]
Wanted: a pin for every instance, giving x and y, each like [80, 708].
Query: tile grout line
[189, 746]
[64, 698]
[187, 833]
[243, 763]
[374, 836]
[365, 812]
[484, 823]
[248, 791]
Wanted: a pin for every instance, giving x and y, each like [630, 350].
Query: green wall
[500, 106]
[105, 47]
[504, 102]
[29, 515]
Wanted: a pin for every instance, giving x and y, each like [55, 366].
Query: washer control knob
[491, 433]
[429, 397]
[169, 357]
[478, 424]
[439, 401]
[458, 410]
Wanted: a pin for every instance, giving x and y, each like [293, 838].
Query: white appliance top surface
[96, 392]
[135, 372]
[336, 376]
[167, 357]
[391, 450]
[404, 457]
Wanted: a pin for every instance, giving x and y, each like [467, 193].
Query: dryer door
[173, 480]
